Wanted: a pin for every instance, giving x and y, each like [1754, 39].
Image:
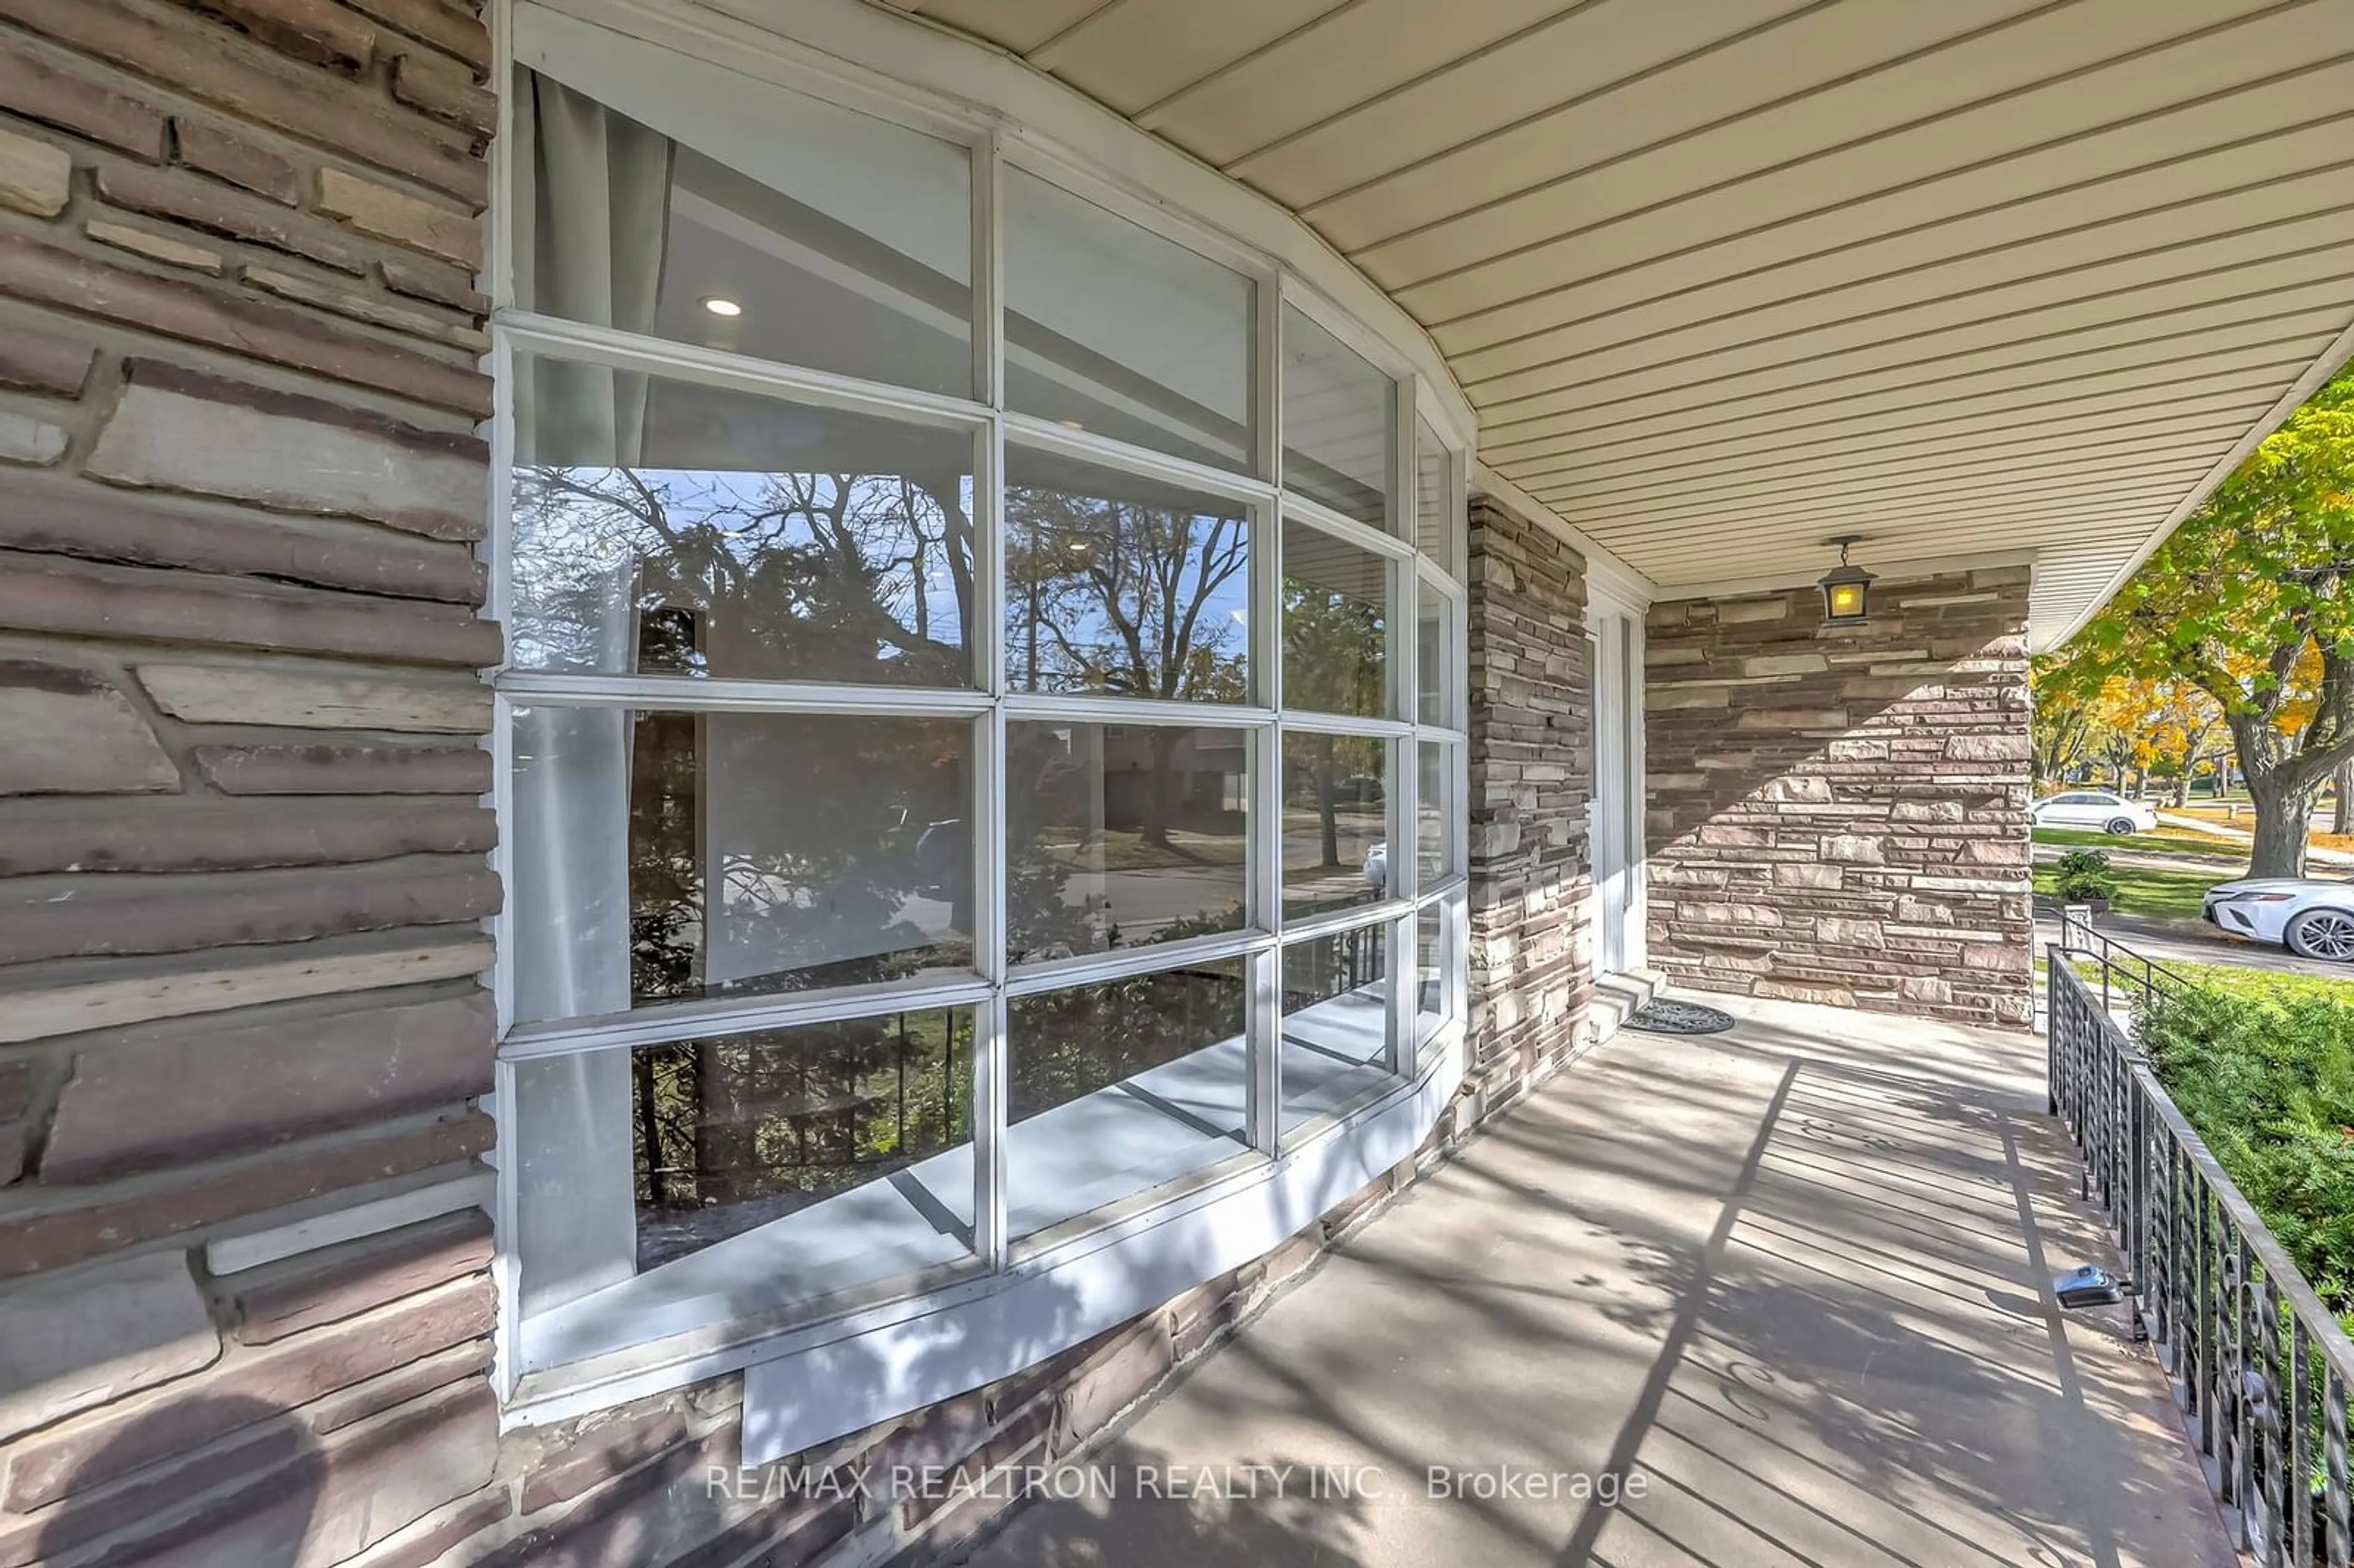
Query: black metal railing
[2260, 1365]
[2135, 975]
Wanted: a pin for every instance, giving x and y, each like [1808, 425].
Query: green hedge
[2270, 1086]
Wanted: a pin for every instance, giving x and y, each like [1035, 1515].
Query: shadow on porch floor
[1789, 1283]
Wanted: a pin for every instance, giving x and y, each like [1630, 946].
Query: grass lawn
[2268, 986]
[2247, 822]
[2160, 843]
[2169, 895]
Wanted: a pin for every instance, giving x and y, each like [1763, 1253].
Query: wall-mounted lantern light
[1847, 590]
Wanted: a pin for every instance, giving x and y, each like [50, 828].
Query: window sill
[940, 1325]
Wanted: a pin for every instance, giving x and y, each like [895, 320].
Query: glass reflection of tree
[1043, 783]
[802, 577]
[1068, 1044]
[1123, 597]
[810, 576]
[734, 1133]
[1334, 662]
[768, 1121]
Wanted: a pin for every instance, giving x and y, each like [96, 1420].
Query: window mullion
[1399, 636]
[1086, 707]
[1308, 928]
[1302, 721]
[1267, 380]
[668, 1022]
[988, 271]
[1030, 430]
[1266, 970]
[498, 549]
[1404, 880]
[1311, 513]
[991, 1078]
[683, 693]
[1264, 1097]
[587, 344]
[988, 1122]
[1405, 989]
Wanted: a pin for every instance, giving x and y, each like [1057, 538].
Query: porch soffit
[1726, 277]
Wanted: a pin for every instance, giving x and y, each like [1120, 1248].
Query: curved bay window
[984, 738]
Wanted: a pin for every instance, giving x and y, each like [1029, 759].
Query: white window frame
[1158, 1241]
[1615, 627]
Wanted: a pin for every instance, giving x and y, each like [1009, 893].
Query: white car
[2311, 917]
[1377, 867]
[2095, 808]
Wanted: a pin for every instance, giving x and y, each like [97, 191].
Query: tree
[2252, 601]
[1333, 646]
[1128, 597]
[731, 888]
[2062, 731]
[2085, 713]
[2186, 727]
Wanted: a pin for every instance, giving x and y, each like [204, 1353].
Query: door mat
[1666, 1017]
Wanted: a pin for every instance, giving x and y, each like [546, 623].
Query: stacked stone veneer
[241, 855]
[1532, 775]
[1839, 815]
[246, 1314]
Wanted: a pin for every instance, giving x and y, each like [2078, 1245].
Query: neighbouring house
[592, 592]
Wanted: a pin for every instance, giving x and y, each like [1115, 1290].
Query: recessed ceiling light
[720, 306]
[1071, 424]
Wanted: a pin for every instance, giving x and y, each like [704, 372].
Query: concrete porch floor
[1795, 1277]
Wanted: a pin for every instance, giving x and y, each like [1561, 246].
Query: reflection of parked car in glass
[1362, 789]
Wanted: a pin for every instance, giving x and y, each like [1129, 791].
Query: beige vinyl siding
[1722, 279]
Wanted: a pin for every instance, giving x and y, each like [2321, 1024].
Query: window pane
[1436, 641]
[1430, 945]
[1434, 812]
[1336, 1009]
[1112, 329]
[1336, 423]
[735, 1132]
[1438, 519]
[1335, 822]
[1116, 1089]
[666, 856]
[856, 1136]
[1336, 622]
[665, 527]
[1122, 836]
[841, 241]
[1122, 585]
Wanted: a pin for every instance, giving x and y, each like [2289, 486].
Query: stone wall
[241, 852]
[1532, 775]
[1841, 815]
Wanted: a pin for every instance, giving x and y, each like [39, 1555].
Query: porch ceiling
[1725, 277]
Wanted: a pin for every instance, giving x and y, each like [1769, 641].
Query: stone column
[1531, 969]
[1839, 814]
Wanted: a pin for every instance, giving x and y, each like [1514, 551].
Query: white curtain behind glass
[591, 247]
